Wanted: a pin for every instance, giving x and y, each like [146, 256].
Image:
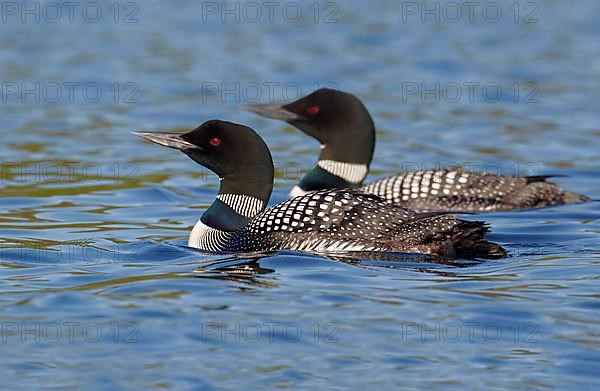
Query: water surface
[99, 290]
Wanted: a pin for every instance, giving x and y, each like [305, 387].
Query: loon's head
[343, 126]
[234, 152]
[338, 120]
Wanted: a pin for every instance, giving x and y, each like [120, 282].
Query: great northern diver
[322, 221]
[343, 126]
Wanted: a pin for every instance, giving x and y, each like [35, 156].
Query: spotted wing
[328, 220]
[446, 190]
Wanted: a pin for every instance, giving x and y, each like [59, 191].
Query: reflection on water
[93, 223]
[247, 268]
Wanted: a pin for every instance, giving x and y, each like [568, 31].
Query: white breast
[207, 238]
[297, 191]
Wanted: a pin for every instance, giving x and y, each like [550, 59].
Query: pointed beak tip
[142, 135]
[273, 111]
[171, 140]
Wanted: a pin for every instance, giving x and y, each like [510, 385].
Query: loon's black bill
[171, 140]
[272, 111]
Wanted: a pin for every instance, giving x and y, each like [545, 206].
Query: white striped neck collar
[350, 172]
[244, 205]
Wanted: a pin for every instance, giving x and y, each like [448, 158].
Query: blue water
[99, 291]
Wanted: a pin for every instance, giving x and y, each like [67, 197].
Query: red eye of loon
[314, 109]
[215, 142]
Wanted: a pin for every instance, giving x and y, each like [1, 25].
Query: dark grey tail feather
[449, 237]
[468, 241]
[473, 230]
[541, 194]
[574, 198]
[541, 178]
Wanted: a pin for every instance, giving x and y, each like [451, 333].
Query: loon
[343, 126]
[331, 220]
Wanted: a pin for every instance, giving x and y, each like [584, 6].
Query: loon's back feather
[458, 191]
[350, 220]
[346, 131]
[327, 220]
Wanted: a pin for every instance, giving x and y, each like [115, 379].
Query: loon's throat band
[242, 204]
[350, 172]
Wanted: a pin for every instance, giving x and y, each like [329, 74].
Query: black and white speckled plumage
[343, 126]
[335, 220]
[349, 220]
[468, 191]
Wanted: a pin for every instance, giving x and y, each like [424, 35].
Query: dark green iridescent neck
[222, 217]
[257, 185]
[318, 179]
